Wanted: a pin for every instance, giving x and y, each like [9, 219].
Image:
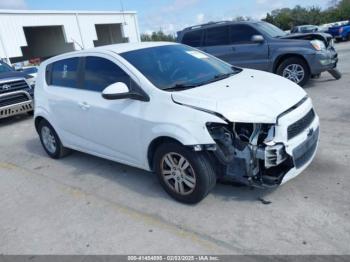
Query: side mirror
[258, 39]
[116, 91]
[120, 90]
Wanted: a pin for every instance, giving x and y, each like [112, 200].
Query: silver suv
[260, 45]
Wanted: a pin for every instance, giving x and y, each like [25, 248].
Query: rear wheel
[50, 141]
[295, 69]
[185, 175]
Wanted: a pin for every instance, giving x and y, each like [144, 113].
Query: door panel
[113, 130]
[249, 56]
[70, 118]
[64, 95]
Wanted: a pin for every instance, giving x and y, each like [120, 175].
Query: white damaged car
[168, 108]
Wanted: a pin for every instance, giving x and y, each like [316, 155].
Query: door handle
[233, 48]
[84, 105]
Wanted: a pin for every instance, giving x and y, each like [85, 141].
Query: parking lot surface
[86, 205]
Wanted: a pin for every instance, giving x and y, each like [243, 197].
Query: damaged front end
[247, 154]
[327, 39]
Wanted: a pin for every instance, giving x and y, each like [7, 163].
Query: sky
[169, 15]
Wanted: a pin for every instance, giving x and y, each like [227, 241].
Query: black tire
[203, 172]
[335, 73]
[298, 61]
[60, 151]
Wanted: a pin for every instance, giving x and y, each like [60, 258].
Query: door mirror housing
[258, 39]
[120, 90]
[117, 90]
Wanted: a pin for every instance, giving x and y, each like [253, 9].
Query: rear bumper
[16, 108]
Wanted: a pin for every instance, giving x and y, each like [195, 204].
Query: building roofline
[80, 12]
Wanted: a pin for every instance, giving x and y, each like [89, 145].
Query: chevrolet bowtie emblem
[310, 132]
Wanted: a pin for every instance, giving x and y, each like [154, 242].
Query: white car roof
[121, 48]
[116, 48]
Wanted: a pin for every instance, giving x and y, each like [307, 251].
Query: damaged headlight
[245, 132]
[274, 155]
[318, 45]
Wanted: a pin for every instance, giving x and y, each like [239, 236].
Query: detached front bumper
[15, 103]
[284, 154]
[303, 154]
[323, 61]
[301, 142]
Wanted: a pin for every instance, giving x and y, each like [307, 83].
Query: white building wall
[87, 24]
[12, 22]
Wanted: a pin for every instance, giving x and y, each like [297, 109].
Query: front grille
[303, 153]
[7, 87]
[299, 126]
[13, 99]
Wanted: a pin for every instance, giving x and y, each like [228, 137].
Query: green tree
[241, 18]
[269, 18]
[344, 10]
[157, 36]
[286, 18]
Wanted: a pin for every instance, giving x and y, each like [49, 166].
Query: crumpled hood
[251, 97]
[325, 37]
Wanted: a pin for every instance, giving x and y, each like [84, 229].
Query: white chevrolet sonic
[186, 115]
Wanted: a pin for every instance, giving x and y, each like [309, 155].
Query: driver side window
[100, 73]
[242, 34]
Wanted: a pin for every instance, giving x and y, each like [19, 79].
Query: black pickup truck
[16, 92]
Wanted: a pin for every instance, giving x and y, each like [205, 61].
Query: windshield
[271, 30]
[172, 67]
[4, 68]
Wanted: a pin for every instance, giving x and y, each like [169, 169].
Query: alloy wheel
[49, 140]
[294, 72]
[178, 173]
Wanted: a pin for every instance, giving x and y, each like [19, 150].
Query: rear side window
[217, 36]
[193, 38]
[242, 34]
[65, 73]
[100, 73]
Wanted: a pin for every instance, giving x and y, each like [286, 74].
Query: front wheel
[185, 175]
[295, 69]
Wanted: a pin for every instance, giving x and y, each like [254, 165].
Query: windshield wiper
[220, 77]
[180, 87]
